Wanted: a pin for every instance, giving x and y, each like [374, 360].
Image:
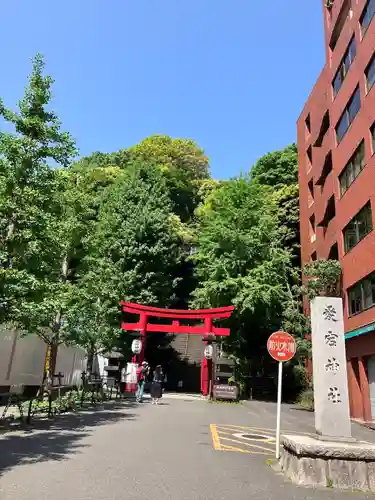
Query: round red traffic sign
[281, 346]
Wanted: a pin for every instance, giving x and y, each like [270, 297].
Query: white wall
[99, 363]
[71, 361]
[22, 360]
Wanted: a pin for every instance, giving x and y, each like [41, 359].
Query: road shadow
[299, 408]
[58, 438]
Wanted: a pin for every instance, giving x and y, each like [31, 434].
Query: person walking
[157, 385]
[142, 373]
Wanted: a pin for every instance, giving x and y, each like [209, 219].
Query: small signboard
[225, 391]
[281, 346]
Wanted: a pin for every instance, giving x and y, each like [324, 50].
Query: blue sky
[233, 76]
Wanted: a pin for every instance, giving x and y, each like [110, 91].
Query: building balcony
[321, 125]
[326, 170]
[337, 13]
[329, 245]
[328, 214]
[333, 8]
[322, 162]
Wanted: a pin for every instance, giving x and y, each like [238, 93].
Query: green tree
[184, 166]
[119, 159]
[239, 261]
[89, 324]
[132, 253]
[32, 245]
[277, 169]
[88, 313]
[182, 163]
[248, 255]
[323, 278]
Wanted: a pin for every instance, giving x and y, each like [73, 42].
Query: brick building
[336, 146]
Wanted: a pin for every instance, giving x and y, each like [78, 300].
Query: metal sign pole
[281, 347]
[278, 419]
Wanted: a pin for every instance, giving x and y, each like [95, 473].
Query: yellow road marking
[232, 432]
[226, 447]
[220, 427]
[240, 450]
[215, 437]
[225, 433]
[270, 440]
[263, 429]
[251, 445]
[229, 426]
[247, 428]
[221, 442]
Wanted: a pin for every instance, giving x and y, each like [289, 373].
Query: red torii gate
[206, 330]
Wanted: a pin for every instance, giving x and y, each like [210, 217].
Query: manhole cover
[254, 437]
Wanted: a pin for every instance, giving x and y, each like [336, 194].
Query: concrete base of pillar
[308, 461]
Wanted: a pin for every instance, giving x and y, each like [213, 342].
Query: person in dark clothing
[142, 373]
[157, 385]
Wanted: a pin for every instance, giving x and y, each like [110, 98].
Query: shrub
[306, 399]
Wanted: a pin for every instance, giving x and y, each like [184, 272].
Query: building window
[344, 66]
[326, 170]
[358, 227]
[324, 128]
[334, 252]
[312, 224]
[311, 191]
[329, 213]
[370, 73]
[367, 15]
[340, 23]
[350, 112]
[309, 154]
[352, 169]
[372, 132]
[308, 123]
[361, 296]
[312, 229]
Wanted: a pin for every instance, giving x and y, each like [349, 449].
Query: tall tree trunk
[10, 231]
[90, 361]
[55, 339]
[51, 366]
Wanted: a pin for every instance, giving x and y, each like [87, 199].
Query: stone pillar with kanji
[331, 395]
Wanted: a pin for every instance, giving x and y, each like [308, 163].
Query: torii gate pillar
[207, 330]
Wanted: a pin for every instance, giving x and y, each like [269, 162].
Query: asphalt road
[146, 452]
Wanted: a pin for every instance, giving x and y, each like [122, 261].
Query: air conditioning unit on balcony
[313, 238]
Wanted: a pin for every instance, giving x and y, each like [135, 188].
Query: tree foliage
[248, 255]
[134, 248]
[323, 278]
[239, 261]
[146, 224]
[277, 169]
[184, 166]
[31, 250]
